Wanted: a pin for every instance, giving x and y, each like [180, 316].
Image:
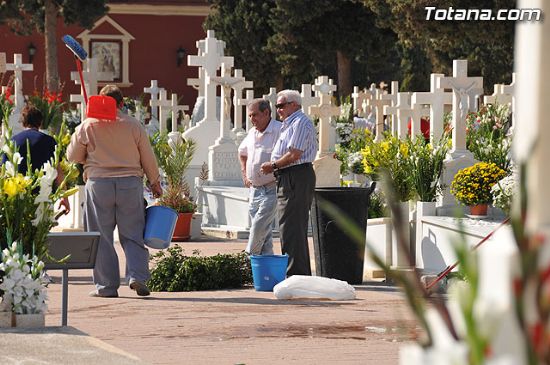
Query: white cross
[377, 104]
[510, 90]
[415, 114]
[437, 98]
[392, 97]
[272, 98]
[465, 89]
[154, 91]
[163, 103]
[307, 98]
[244, 102]
[359, 101]
[210, 60]
[175, 109]
[403, 105]
[325, 111]
[18, 67]
[226, 81]
[91, 77]
[238, 88]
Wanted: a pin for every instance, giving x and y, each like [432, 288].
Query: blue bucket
[160, 223]
[268, 270]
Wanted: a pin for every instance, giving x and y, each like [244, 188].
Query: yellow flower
[10, 188]
[385, 146]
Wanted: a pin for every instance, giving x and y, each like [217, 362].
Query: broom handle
[449, 268]
[79, 68]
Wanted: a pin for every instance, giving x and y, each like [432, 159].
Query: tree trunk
[344, 74]
[50, 38]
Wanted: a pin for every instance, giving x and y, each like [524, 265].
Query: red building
[137, 41]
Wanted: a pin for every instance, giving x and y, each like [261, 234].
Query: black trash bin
[337, 255]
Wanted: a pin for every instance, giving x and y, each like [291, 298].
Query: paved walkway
[234, 326]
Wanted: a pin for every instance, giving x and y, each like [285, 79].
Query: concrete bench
[81, 247]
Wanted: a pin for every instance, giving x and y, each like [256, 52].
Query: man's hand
[65, 204]
[156, 189]
[266, 168]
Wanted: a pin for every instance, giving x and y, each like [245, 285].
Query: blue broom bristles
[75, 47]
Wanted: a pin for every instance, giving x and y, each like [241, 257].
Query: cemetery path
[238, 326]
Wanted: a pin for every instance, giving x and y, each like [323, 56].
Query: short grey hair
[262, 104]
[290, 96]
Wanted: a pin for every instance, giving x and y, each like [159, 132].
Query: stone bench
[80, 248]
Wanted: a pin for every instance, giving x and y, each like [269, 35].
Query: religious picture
[108, 58]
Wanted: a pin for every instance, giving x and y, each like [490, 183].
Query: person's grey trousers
[295, 189]
[110, 202]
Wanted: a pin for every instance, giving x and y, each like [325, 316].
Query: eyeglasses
[282, 105]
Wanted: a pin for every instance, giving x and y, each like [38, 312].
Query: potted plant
[174, 156]
[472, 186]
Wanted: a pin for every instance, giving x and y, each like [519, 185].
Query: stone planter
[35, 320]
[423, 209]
[379, 240]
[6, 319]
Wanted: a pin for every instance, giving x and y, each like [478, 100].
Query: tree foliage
[290, 42]
[26, 16]
[487, 45]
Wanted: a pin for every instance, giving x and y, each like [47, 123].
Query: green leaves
[176, 272]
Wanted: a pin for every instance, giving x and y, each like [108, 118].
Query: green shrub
[176, 272]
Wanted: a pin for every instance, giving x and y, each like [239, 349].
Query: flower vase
[479, 210]
[34, 320]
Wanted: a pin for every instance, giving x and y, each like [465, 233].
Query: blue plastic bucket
[160, 223]
[268, 270]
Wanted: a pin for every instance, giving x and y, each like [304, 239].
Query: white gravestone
[163, 104]
[392, 97]
[437, 98]
[19, 99]
[465, 89]
[272, 98]
[243, 102]
[377, 104]
[223, 159]
[504, 94]
[327, 168]
[175, 109]
[154, 91]
[307, 98]
[238, 88]
[205, 132]
[399, 126]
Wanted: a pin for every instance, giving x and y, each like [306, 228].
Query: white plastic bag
[300, 286]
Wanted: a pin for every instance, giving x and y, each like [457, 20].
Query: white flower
[10, 169]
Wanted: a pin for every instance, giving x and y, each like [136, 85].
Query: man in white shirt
[254, 150]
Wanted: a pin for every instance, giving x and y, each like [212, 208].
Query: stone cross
[2, 62]
[399, 126]
[238, 88]
[465, 89]
[359, 97]
[504, 94]
[210, 60]
[392, 97]
[163, 104]
[325, 111]
[414, 114]
[91, 77]
[272, 98]
[437, 98]
[244, 102]
[175, 109]
[18, 67]
[307, 98]
[377, 104]
[154, 91]
[226, 81]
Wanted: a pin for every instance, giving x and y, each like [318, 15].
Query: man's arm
[288, 158]
[242, 160]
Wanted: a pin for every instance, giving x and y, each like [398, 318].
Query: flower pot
[35, 320]
[480, 209]
[183, 227]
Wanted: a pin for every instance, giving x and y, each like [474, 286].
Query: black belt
[302, 166]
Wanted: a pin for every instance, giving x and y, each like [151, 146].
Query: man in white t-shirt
[254, 150]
